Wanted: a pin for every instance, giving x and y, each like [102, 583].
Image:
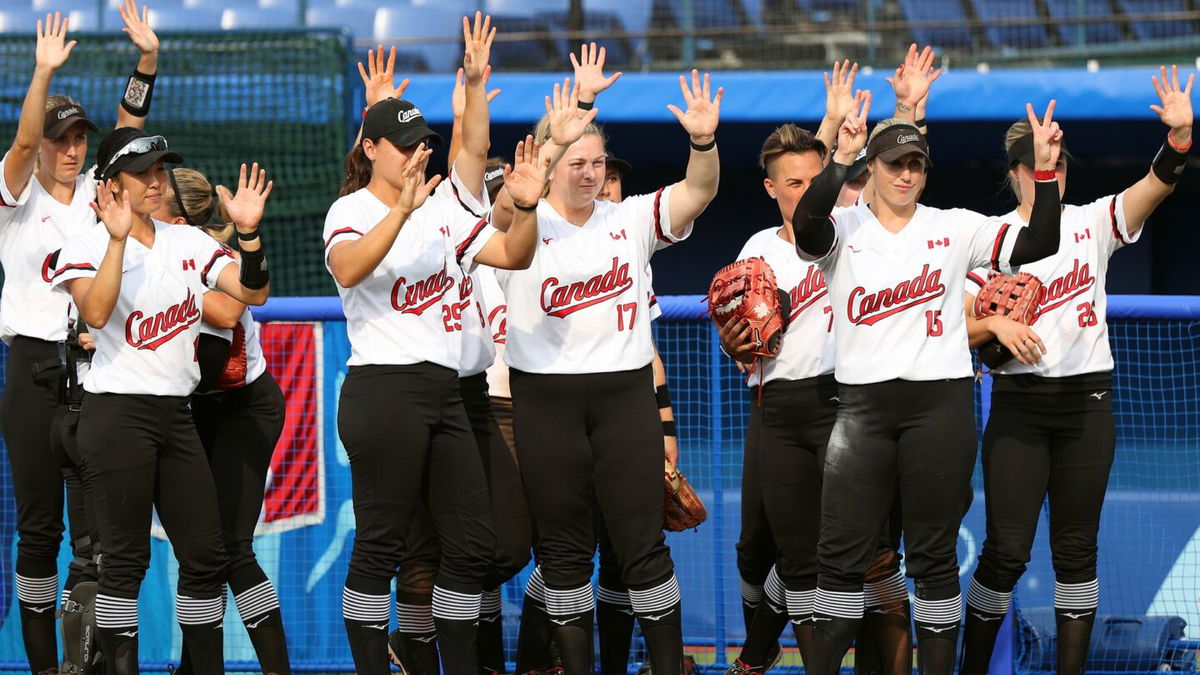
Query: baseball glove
[1015, 297]
[747, 290]
[683, 509]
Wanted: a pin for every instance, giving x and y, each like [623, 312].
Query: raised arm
[51, 53]
[352, 261]
[1040, 239]
[458, 103]
[135, 105]
[469, 162]
[249, 284]
[839, 100]
[524, 181]
[691, 196]
[96, 297]
[912, 81]
[810, 221]
[1176, 112]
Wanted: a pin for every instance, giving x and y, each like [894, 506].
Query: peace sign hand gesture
[852, 135]
[378, 77]
[1047, 138]
[703, 110]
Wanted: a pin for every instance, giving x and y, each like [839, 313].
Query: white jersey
[651, 298]
[33, 226]
[404, 311]
[583, 306]
[897, 298]
[1073, 309]
[148, 345]
[496, 319]
[256, 363]
[807, 349]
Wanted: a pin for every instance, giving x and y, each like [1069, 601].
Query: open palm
[524, 180]
[378, 77]
[246, 207]
[137, 27]
[703, 109]
[52, 46]
[1176, 109]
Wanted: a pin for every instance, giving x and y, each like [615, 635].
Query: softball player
[396, 258]
[1051, 430]
[43, 202]
[579, 350]
[139, 285]
[905, 412]
[238, 407]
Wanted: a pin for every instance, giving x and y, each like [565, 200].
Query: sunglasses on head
[138, 146]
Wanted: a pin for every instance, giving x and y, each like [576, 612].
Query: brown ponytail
[356, 171]
[198, 198]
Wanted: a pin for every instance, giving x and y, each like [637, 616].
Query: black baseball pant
[756, 548]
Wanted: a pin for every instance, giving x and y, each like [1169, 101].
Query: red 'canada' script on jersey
[559, 301]
[868, 308]
[808, 291]
[421, 295]
[1061, 290]
[157, 330]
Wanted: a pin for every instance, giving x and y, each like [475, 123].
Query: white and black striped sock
[840, 604]
[38, 594]
[751, 593]
[657, 604]
[455, 606]
[198, 611]
[937, 618]
[775, 592]
[414, 619]
[570, 602]
[490, 606]
[535, 588]
[116, 613]
[886, 592]
[1077, 601]
[255, 601]
[800, 605]
[985, 603]
[618, 599]
[369, 610]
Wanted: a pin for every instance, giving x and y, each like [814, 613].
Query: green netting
[221, 99]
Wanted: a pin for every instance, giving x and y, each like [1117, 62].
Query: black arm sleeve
[1040, 239]
[810, 222]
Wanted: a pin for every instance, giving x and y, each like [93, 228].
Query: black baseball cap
[859, 167]
[398, 121]
[1021, 151]
[60, 118]
[130, 149]
[617, 163]
[493, 176]
[897, 141]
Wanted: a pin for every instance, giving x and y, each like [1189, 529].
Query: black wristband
[920, 123]
[669, 428]
[663, 395]
[242, 236]
[585, 105]
[138, 92]
[524, 208]
[253, 269]
[703, 148]
[1168, 164]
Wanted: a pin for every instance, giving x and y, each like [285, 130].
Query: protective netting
[1149, 542]
[223, 99]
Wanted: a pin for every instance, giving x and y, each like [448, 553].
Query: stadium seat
[460, 7]
[1030, 36]
[83, 13]
[157, 4]
[1092, 32]
[634, 14]
[441, 26]
[949, 37]
[533, 54]
[255, 17]
[181, 19]
[87, 20]
[1158, 30]
[527, 8]
[211, 4]
[359, 21]
[618, 51]
[707, 13]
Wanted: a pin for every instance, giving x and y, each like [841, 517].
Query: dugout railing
[1150, 532]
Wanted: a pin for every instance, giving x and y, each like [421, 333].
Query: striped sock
[775, 592]
[490, 606]
[751, 593]
[366, 609]
[800, 605]
[455, 606]
[840, 604]
[255, 601]
[1076, 601]
[415, 619]
[985, 603]
[657, 604]
[34, 593]
[198, 611]
[937, 618]
[619, 598]
[116, 613]
[563, 604]
[885, 593]
[535, 588]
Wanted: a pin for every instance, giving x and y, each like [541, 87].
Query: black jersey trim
[462, 248]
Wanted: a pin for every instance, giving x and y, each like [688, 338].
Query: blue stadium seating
[706, 13]
[184, 19]
[22, 20]
[952, 37]
[1157, 30]
[526, 8]
[634, 14]
[157, 4]
[84, 20]
[538, 54]
[360, 22]
[1010, 36]
[256, 17]
[427, 22]
[1092, 32]
[618, 51]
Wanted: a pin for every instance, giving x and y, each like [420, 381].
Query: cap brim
[893, 154]
[858, 168]
[620, 165]
[406, 138]
[136, 163]
[61, 126]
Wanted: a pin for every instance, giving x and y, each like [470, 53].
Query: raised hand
[378, 77]
[852, 135]
[589, 72]
[52, 47]
[245, 208]
[1176, 108]
[703, 110]
[914, 77]
[839, 91]
[137, 27]
[116, 214]
[458, 98]
[414, 189]
[567, 121]
[1047, 138]
[524, 179]
[477, 41]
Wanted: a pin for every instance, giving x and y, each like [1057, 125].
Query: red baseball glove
[1015, 297]
[683, 508]
[747, 290]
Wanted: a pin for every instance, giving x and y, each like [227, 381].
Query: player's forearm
[97, 304]
[827, 134]
[699, 186]
[979, 331]
[1039, 240]
[503, 211]
[147, 66]
[221, 310]
[353, 261]
[455, 143]
[520, 240]
[33, 113]
[810, 221]
[471, 158]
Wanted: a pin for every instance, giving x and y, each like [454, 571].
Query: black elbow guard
[253, 270]
[138, 92]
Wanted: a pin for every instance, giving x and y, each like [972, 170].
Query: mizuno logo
[219, 626]
[982, 617]
[1098, 395]
[651, 617]
[39, 610]
[425, 638]
[627, 610]
[1076, 616]
[128, 634]
[943, 629]
[835, 398]
[381, 626]
[797, 622]
[822, 618]
[258, 623]
[563, 622]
